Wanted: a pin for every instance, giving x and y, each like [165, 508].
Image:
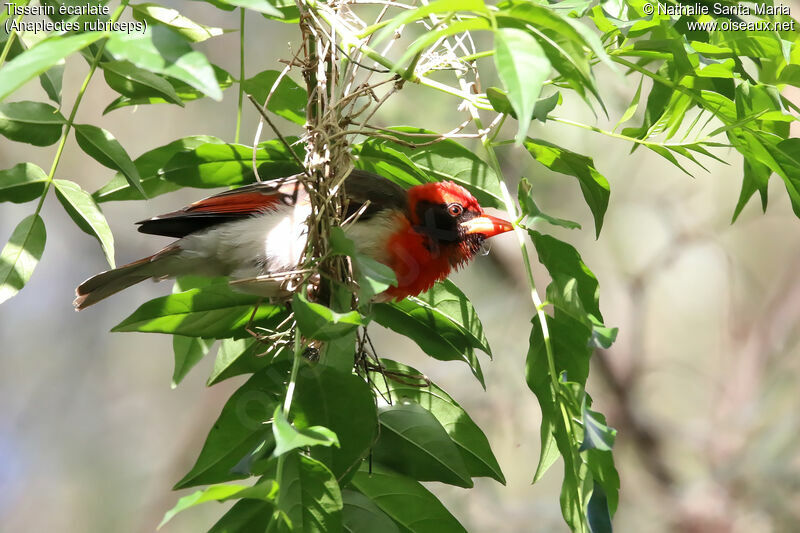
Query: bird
[259, 230]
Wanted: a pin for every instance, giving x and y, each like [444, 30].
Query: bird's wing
[224, 207]
[362, 186]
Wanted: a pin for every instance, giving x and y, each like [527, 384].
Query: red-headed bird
[260, 230]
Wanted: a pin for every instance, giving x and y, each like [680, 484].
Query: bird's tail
[110, 282]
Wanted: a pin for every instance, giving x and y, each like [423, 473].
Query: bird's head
[452, 219]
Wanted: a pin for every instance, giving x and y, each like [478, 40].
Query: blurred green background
[703, 382]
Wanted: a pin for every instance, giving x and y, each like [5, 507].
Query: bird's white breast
[272, 241]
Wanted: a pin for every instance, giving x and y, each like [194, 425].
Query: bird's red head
[447, 227]
[450, 214]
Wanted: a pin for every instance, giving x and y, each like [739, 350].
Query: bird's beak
[486, 225]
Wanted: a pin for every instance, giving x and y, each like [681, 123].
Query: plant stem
[241, 76]
[298, 355]
[63, 141]
[11, 36]
[535, 298]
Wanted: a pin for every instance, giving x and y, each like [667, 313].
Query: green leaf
[319, 322]
[597, 513]
[106, 150]
[448, 160]
[188, 352]
[446, 299]
[216, 165]
[567, 269]
[82, 209]
[134, 82]
[51, 81]
[596, 434]
[239, 435]
[264, 490]
[500, 102]
[406, 501]
[22, 183]
[210, 312]
[434, 332]
[289, 100]
[432, 37]
[245, 356]
[523, 68]
[414, 443]
[156, 14]
[41, 58]
[310, 496]
[382, 158]
[162, 51]
[340, 352]
[245, 516]
[548, 454]
[288, 438]
[34, 123]
[400, 383]
[20, 255]
[631, 109]
[343, 403]
[437, 6]
[185, 92]
[372, 277]
[532, 212]
[151, 169]
[562, 39]
[361, 515]
[261, 6]
[594, 186]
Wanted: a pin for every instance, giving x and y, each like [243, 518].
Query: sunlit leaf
[289, 100]
[264, 490]
[405, 501]
[83, 210]
[184, 91]
[134, 82]
[594, 185]
[414, 443]
[210, 312]
[434, 332]
[400, 383]
[162, 51]
[41, 58]
[20, 255]
[596, 434]
[188, 351]
[151, 166]
[309, 496]
[373, 277]
[22, 183]
[245, 356]
[156, 14]
[288, 438]
[319, 322]
[34, 123]
[523, 68]
[449, 160]
[106, 150]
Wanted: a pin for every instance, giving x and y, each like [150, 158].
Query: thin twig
[279, 134]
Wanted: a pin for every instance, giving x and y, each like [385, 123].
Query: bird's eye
[455, 210]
